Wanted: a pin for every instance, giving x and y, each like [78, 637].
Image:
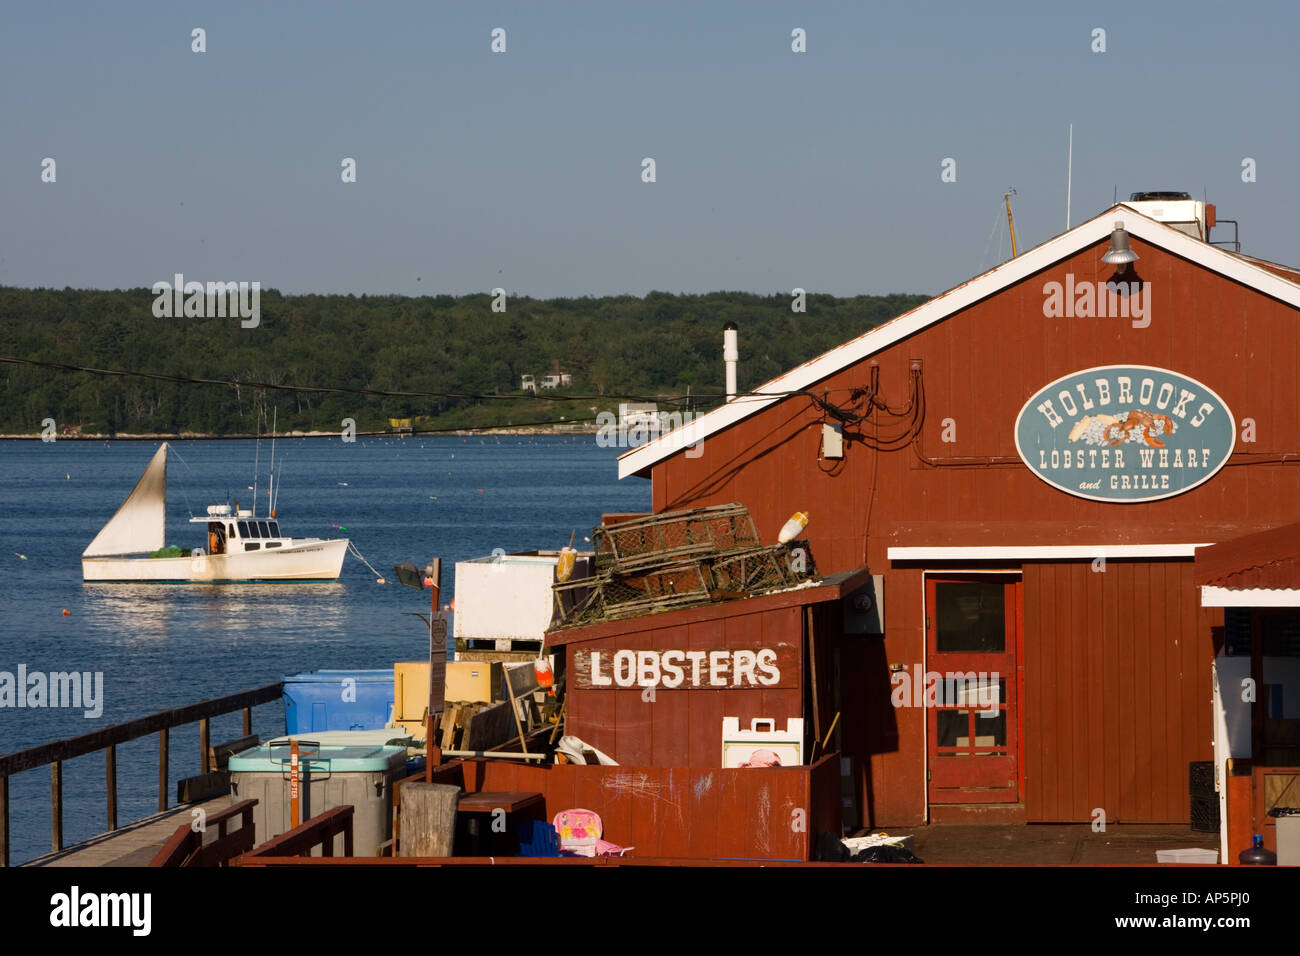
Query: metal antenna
[257, 448]
[1069, 177]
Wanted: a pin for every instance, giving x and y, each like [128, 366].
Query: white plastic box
[1288, 841]
[504, 597]
[1190, 855]
[741, 747]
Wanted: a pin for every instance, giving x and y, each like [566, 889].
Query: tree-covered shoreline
[659, 346]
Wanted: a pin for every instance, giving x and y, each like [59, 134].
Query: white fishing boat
[241, 546]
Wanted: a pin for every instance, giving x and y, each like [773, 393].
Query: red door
[972, 627]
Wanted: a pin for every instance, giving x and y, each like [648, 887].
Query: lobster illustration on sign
[1121, 431]
[1131, 426]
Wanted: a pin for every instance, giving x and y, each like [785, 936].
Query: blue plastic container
[337, 700]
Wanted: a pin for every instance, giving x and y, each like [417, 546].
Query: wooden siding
[689, 813]
[682, 726]
[1117, 690]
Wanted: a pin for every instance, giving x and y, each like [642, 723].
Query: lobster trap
[674, 537]
[761, 569]
[674, 560]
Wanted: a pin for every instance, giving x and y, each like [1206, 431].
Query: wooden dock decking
[133, 845]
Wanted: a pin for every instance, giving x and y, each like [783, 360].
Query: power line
[678, 400]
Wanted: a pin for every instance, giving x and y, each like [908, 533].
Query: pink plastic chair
[580, 834]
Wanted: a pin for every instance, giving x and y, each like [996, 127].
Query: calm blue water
[167, 645]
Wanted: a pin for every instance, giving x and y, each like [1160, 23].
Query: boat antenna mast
[270, 491]
[257, 448]
[276, 499]
[1006, 198]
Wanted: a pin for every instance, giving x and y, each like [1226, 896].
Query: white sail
[141, 523]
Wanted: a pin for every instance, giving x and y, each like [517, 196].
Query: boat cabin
[234, 530]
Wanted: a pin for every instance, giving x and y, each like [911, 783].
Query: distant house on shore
[638, 416]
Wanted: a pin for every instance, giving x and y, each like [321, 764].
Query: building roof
[1250, 272]
[1266, 560]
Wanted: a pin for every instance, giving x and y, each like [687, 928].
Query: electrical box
[864, 609]
[832, 441]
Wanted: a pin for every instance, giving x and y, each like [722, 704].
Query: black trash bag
[886, 853]
[829, 849]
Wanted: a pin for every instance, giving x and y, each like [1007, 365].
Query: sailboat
[241, 545]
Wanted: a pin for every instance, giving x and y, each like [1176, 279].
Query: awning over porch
[1255, 570]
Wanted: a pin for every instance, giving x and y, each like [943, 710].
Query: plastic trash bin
[357, 776]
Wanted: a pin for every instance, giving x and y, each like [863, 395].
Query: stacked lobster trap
[673, 560]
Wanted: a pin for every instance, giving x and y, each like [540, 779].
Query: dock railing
[185, 847]
[107, 740]
[319, 831]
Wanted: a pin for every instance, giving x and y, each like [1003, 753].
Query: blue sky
[523, 169]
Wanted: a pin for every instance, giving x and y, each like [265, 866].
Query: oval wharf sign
[1125, 433]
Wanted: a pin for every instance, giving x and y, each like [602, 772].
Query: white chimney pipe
[730, 356]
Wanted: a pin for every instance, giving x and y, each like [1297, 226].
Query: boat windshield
[257, 529]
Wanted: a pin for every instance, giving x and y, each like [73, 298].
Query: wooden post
[435, 605]
[559, 718]
[56, 804]
[110, 773]
[811, 646]
[203, 745]
[162, 768]
[428, 813]
[248, 721]
[4, 821]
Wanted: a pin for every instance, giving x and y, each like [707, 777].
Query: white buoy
[792, 528]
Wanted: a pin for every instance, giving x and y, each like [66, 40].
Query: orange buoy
[66, 612]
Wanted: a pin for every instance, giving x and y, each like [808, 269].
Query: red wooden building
[1031, 461]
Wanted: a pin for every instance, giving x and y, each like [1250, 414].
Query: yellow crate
[473, 681]
[410, 695]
